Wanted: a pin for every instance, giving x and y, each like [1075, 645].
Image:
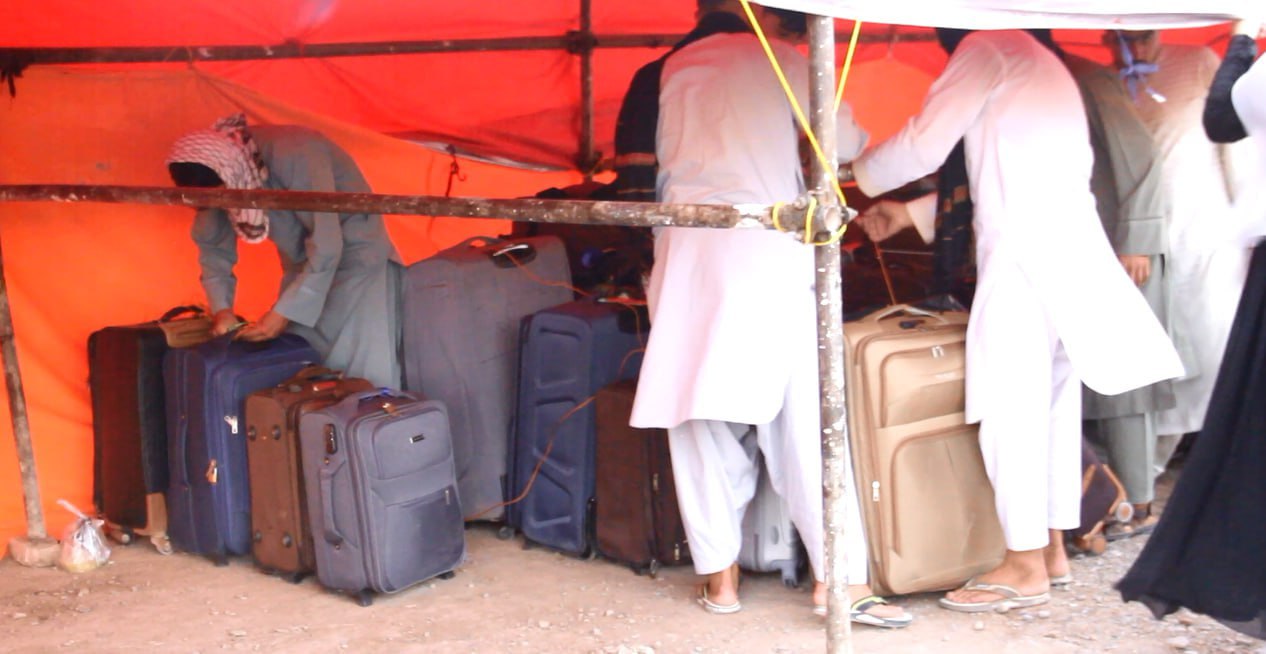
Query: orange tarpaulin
[74, 268]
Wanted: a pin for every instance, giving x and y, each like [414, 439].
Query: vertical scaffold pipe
[830, 333]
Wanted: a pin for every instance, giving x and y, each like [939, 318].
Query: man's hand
[270, 326]
[1137, 266]
[883, 219]
[223, 322]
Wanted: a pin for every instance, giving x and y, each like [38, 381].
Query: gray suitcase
[462, 312]
[382, 493]
[770, 541]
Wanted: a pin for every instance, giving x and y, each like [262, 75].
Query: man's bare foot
[1056, 557]
[723, 586]
[1023, 571]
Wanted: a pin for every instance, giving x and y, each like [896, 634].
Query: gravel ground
[507, 599]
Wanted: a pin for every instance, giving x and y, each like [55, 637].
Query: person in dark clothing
[1206, 552]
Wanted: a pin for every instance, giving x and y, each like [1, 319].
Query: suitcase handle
[332, 535]
[904, 308]
[173, 312]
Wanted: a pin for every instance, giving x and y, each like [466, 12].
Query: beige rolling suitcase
[926, 501]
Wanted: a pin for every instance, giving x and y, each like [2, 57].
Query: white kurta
[731, 309]
[1052, 302]
[1029, 163]
[1206, 274]
[733, 316]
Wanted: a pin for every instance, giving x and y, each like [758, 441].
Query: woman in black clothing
[1208, 552]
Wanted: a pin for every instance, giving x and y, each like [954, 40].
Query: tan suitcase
[926, 501]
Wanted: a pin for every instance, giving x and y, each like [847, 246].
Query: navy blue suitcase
[208, 499]
[568, 353]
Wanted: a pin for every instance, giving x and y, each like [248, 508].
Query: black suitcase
[129, 425]
[381, 490]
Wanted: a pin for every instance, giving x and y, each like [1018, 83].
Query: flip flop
[1010, 599]
[712, 607]
[1062, 580]
[858, 613]
[1120, 531]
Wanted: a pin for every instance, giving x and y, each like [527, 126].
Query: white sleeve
[953, 104]
[923, 211]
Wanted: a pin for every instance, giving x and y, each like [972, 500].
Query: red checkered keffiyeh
[228, 149]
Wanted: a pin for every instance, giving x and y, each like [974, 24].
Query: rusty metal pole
[588, 158]
[35, 528]
[830, 335]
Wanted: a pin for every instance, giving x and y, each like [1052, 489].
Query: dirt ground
[507, 599]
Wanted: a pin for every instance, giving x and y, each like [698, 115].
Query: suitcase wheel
[590, 554]
[364, 598]
[447, 575]
[506, 532]
[295, 577]
[119, 533]
[220, 561]
[652, 570]
[789, 577]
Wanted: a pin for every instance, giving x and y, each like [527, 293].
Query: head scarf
[228, 149]
[1133, 72]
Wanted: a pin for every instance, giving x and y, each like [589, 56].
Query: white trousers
[1031, 441]
[716, 479]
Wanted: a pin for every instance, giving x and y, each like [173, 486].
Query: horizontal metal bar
[19, 57]
[647, 214]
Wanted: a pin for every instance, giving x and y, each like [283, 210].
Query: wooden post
[830, 334]
[37, 548]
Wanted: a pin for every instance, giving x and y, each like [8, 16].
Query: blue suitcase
[381, 491]
[569, 352]
[208, 499]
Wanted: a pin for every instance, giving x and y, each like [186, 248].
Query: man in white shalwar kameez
[1053, 306]
[734, 342]
[1206, 273]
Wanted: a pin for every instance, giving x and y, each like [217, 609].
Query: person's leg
[1064, 471]
[1130, 455]
[1015, 442]
[792, 446]
[715, 480]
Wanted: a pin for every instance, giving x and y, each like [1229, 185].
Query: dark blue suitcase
[381, 490]
[208, 499]
[568, 353]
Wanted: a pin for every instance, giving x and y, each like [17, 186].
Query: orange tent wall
[74, 268]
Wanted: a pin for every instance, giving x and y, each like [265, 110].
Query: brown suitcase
[636, 516]
[1103, 501]
[281, 537]
[926, 501]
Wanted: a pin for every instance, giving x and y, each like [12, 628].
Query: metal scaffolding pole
[637, 214]
[830, 334]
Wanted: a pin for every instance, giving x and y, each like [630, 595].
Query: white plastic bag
[83, 545]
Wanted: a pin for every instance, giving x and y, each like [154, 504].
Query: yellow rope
[808, 220]
[800, 117]
[848, 62]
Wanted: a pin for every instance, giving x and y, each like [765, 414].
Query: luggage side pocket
[424, 537]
